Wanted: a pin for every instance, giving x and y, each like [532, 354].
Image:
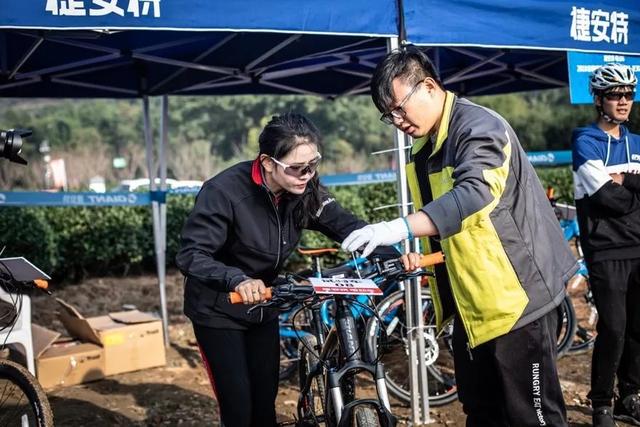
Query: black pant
[511, 380]
[243, 368]
[616, 290]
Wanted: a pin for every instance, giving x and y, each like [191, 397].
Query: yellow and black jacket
[506, 258]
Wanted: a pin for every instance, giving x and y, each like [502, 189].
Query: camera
[11, 144]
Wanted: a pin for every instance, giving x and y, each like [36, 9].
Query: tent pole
[414, 321]
[162, 253]
[155, 209]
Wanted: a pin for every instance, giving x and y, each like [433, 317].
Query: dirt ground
[179, 393]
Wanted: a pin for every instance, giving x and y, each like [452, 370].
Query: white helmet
[610, 76]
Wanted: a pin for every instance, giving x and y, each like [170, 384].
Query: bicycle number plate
[326, 285]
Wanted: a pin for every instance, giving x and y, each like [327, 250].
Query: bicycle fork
[349, 344]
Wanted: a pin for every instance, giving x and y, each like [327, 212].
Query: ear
[597, 100]
[431, 83]
[266, 163]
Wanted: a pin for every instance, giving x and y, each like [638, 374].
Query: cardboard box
[64, 361]
[131, 340]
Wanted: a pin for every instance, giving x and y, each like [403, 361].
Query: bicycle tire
[364, 416]
[313, 403]
[586, 317]
[566, 329]
[16, 385]
[440, 375]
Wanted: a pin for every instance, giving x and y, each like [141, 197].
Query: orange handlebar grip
[550, 192]
[236, 298]
[41, 284]
[432, 259]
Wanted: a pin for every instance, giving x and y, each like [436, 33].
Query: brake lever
[265, 304]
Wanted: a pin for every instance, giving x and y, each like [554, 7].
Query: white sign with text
[326, 285]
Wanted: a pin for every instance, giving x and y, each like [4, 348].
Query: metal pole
[155, 209]
[414, 321]
[162, 250]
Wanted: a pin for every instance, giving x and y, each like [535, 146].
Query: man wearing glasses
[478, 199]
[606, 163]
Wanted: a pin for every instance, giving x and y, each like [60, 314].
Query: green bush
[27, 232]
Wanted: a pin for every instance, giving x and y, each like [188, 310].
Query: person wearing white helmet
[606, 167]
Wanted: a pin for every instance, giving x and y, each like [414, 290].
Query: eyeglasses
[617, 96]
[398, 112]
[300, 170]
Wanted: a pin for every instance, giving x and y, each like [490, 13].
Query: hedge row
[74, 242]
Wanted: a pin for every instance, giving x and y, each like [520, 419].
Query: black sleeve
[336, 223]
[203, 235]
[632, 182]
[617, 198]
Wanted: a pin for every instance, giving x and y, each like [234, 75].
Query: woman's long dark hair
[281, 135]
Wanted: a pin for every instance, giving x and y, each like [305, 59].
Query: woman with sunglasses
[245, 223]
[606, 163]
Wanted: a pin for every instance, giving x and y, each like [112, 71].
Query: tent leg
[162, 264]
[417, 368]
[156, 216]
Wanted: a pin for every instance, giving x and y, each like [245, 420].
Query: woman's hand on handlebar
[252, 291]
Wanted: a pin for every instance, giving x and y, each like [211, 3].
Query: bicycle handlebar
[293, 290]
[430, 260]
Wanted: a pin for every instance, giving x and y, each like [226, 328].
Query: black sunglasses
[299, 171]
[617, 96]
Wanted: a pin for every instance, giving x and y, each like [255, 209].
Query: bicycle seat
[317, 251]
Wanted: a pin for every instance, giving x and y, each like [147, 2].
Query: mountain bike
[330, 363]
[387, 274]
[23, 402]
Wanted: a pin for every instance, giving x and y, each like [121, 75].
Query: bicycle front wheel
[393, 351]
[586, 315]
[567, 325]
[22, 400]
[365, 417]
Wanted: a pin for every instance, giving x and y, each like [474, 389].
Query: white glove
[381, 234]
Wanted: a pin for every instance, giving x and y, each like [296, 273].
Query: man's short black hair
[410, 64]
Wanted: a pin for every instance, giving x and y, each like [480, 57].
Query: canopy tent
[141, 48]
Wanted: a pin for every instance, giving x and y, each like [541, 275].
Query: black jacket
[237, 231]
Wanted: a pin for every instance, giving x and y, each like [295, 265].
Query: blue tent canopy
[353, 17]
[119, 48]
[501, 46]
[130, 48]
[596, 26]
